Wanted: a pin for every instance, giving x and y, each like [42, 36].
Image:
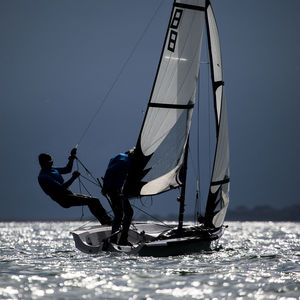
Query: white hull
[147, 239]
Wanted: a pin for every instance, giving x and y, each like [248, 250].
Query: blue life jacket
[116, 172]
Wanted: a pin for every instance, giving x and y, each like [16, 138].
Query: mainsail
[163, 138]
[159, 154]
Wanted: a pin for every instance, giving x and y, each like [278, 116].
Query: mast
[181, 199]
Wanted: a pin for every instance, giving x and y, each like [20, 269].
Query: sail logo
[173, 32]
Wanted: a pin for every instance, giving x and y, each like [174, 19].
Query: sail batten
[172, 106]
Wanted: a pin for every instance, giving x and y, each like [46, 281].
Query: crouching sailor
[53, 184]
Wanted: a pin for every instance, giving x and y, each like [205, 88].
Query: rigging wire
[119, 74]
[80, 184]
[89, 180]
[143, 203]
[94, 181]
[197, 209]
[84, 187]
[151, 216]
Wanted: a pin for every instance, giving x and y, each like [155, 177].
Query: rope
[81, 183]
[95, 180]
[89, 180]
[119, 74]
[87, 171]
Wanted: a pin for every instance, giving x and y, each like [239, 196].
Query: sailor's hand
[75, 174]
[73, 153]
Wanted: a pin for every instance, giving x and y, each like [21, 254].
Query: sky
[62, 60]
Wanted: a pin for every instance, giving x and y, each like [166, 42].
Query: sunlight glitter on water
[257, 261]
[184, 292]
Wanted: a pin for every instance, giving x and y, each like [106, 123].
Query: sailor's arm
[68, 168]
[66, 184]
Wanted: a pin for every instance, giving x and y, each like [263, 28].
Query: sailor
[53, 184]
[113, 183]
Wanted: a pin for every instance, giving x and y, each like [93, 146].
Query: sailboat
[161, 154]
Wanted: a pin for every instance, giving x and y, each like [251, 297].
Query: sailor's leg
[93, 204]
[118, 215]
[128, 214]
[98, 211]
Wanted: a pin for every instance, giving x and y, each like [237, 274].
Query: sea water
[255, 260]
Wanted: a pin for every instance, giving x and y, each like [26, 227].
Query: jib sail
[218, 197]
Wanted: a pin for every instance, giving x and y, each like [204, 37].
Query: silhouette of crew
[113, 183]
[53, 184]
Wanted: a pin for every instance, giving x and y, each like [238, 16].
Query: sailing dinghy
[161, 154]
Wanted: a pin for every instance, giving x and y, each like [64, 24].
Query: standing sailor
[53, 184]
[113, 183]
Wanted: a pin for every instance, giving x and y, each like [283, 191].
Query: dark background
[59, 58]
